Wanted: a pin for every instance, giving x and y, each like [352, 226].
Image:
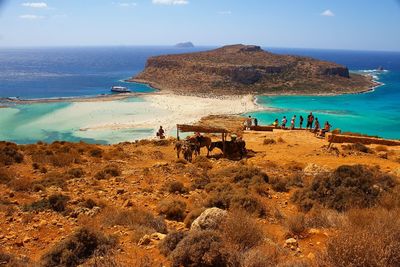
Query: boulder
[210, 219]
[314, 169]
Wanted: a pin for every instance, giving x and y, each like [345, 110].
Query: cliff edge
[243, 69]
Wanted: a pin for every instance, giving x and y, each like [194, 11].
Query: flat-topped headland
[244, 69]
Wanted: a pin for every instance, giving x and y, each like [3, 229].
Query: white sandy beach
[128, 119]
[166, 110]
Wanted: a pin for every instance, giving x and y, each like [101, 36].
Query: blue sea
[32, 73]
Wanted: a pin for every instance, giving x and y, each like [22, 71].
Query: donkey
[201, 141]
[232, 148]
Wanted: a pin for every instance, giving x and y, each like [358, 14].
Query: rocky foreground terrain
[293, 202]
[241, 69]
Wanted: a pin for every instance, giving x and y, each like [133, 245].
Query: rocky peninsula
[247, 69]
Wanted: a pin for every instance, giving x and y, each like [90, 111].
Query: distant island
[244, 69]
[185, 45]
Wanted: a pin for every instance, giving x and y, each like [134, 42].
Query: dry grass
[296, 224]
[133, 219]
[370, 238]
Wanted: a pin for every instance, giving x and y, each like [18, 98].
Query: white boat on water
[120, 89]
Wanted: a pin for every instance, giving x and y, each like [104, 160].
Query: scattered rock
[209, 219]
[120, 191]
[314, 169]
[128, 203]
[383, 155]
[145, 240]
[157, 236]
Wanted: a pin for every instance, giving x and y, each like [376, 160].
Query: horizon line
[188, 48]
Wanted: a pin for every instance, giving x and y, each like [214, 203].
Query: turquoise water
[374, 113]
[66, 72]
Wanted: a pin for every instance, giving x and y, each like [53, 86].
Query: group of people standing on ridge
[311, 120]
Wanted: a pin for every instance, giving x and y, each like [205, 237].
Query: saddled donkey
[232, 148]
[201, 141]
[186, 148]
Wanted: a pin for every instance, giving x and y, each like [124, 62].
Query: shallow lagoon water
[66, 72]
[376, 113]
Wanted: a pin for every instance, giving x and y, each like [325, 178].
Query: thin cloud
[30, 17]
[328, 13]
[170, 2]
[35, 4]
[225, 12]
[125, 4]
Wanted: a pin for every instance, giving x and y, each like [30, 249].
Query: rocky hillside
[292, 203]
[241, 69]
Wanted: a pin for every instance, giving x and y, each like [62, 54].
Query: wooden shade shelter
[215, 124]
[184, 128]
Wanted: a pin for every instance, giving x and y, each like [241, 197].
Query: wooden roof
[200, 128]
[215, 124]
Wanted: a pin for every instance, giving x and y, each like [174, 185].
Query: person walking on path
[301, 122]
[310, 121]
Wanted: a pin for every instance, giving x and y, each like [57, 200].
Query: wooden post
[224, 144]
[177, 132]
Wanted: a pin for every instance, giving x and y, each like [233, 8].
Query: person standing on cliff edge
[301, 121]
[310, 121]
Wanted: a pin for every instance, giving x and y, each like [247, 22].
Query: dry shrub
[21, 184]
[263, 256]
[347, 187]
[172, 209]
[279, 184]
[249, 173]
[200, 182]
[236, 199]
[241, 231]
[56, 202]
[56, 179]
[296, 224]
[77, 248]
[203, 163]
[280, 140]
[371, 238]
[169, 243]
[175, 186]
[96, 152]
[59, 154]
[133, 219]
[391, 200]
[111, 170]
[358, 147]
[76, 172]
[294, 166]
[202, 248]
[296, 263]
[269, 141]
[7, 259]
[5, 175]
[193, 216]
[10, 154]
[320, 217]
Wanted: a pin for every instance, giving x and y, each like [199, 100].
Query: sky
[325, 24]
